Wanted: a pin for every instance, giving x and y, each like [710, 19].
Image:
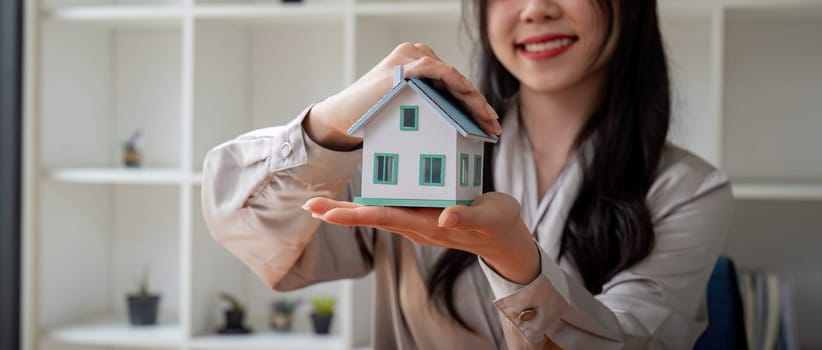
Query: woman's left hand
[490, 228]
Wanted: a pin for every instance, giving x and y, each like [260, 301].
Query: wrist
[316, 127]
[518, 261]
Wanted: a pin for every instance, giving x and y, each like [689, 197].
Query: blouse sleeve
[658, 303]
[252, 195]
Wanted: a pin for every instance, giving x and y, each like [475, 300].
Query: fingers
[426, 64]
[427, 50]
[416, 224]
[321, 205]
[459, 86]
[489, 120]
[489, 211]
[391, 218]
[377, 216]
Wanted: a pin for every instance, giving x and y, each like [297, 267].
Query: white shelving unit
[194, 73]
[141, 176]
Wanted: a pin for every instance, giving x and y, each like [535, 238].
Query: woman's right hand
[329, 120]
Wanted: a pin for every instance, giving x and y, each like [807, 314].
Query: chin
[552, 84]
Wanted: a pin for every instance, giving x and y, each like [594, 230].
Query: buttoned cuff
[307, 160]
[502, 287]
[535, 307]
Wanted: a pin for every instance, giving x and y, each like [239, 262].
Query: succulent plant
[233, 302]
[323, 305]
[142, 284]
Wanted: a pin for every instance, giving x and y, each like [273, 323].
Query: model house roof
[446, 106]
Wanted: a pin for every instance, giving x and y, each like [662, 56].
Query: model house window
[477, 170]
[385, 168]
[464, 169]
[432, 170]
[409, 118]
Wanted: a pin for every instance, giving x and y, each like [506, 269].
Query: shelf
[146, 15]
[138, 176]
[771, 4]
[805, 10]
[197, 178]
[778, 191]
[270, 340]
[386, 9]
[114, 330]
[290, 12]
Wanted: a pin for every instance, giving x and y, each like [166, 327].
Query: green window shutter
[464, 169]
[385, 168]
[409, 118]
[477, 170]
[432, 170]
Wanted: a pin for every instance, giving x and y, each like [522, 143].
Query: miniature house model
[420, 149]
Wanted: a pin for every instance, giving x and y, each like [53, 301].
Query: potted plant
[322, 313]
[131, 150]
[281, 312]
[234, 316]
[142, 305]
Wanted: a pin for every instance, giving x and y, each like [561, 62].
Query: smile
[545, 47]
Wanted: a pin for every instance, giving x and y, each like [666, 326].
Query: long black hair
[609, 227]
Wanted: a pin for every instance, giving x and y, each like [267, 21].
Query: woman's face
[548, 45]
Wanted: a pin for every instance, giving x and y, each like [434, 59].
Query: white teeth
[548, 45]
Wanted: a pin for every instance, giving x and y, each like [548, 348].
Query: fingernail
[497, 128]
[448, 220]
[316, 216]
[491, 112]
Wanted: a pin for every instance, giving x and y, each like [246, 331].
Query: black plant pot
[234, 319]
[234, 323]
[142, 310]
[322, 323]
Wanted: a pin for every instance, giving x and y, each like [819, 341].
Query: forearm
[254, 187]
[318, 125]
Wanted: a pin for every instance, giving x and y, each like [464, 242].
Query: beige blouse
[254, 187]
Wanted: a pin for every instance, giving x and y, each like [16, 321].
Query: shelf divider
[800, 191]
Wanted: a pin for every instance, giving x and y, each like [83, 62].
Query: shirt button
[285, 149]
[527, 314]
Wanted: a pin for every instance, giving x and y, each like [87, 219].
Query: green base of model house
[388, 202]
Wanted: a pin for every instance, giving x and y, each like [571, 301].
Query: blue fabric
[726, 325]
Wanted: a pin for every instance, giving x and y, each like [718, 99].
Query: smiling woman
[10, 130]
[593, 233]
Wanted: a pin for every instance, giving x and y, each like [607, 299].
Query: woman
[599, 235]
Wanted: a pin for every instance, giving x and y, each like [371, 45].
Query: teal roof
[447, 107]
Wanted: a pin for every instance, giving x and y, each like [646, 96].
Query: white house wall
[470, 147]
[434, 136]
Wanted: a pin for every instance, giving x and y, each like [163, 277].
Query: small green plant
[142, 284]
[323, 305]
[234, 303]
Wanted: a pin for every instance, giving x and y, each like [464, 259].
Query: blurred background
[124, 98]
